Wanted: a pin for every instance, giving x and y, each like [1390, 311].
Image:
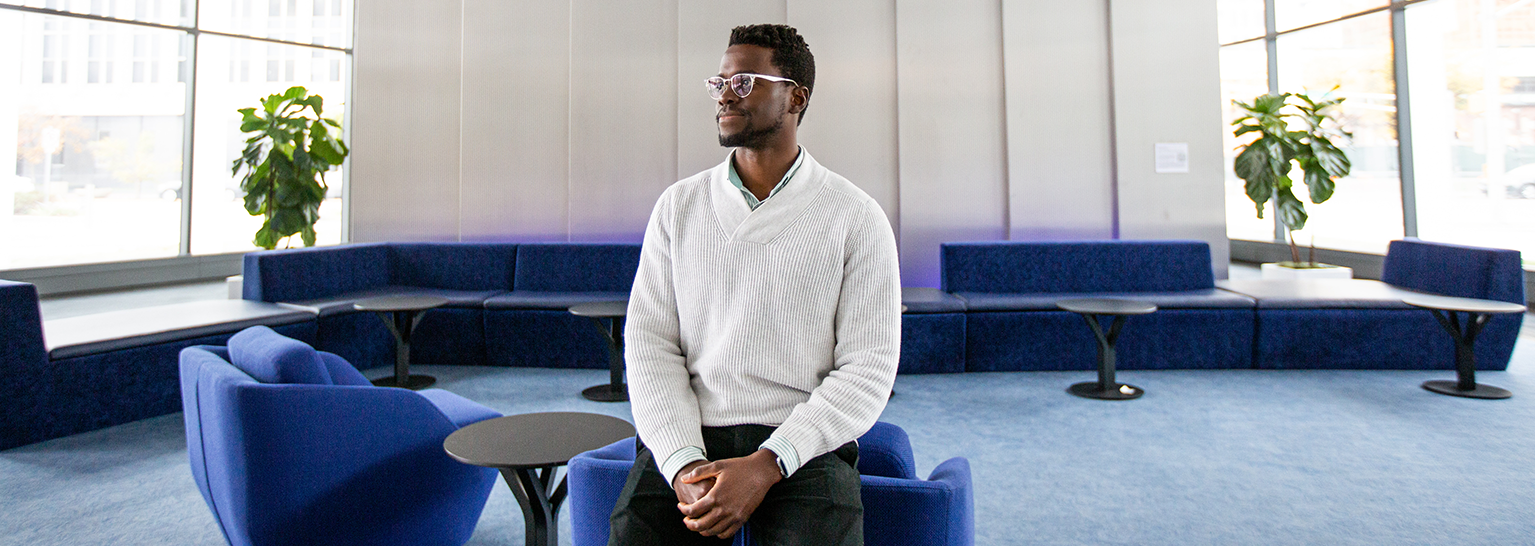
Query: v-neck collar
[741, 223]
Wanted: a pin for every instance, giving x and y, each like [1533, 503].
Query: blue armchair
[293, 446]
[898, 508]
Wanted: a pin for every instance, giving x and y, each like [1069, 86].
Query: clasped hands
[716, 498]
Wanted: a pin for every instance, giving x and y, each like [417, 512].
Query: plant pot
[1305, 271]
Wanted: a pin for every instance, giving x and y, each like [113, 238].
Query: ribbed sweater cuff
[785, 452]
[679, 459]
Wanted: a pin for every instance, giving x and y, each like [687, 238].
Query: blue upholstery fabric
[920, 299]
[898, 511]
[461, 411]
[932, 343]
[453, 266]
[310, 273]
[544, 339]
[1466, 272]
[1209, 298]
[1363, 339]
[1084, 266]
[269, 357]
[1059, 340]
[105, 389]
[324, 464]
[341, 372]
[23, 359]
[576, 267]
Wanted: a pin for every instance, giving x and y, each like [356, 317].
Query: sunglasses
[741, 84]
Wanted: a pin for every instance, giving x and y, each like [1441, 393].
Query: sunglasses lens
[715, 86]
[742, 84]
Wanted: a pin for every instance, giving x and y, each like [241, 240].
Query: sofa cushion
[1189, 299]
[1082, 266]
[342, 303]
[572, 267]
[117, 330]
[930, 300]
[468, 267]
[308, 273]
[1455, 270]
[271, 358]
[1319, 293]
[531, 299]
[342, 372]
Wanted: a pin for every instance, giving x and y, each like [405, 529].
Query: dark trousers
[820, 505]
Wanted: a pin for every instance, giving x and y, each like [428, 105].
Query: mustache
[727, 112]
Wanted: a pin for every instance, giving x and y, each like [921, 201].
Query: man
[763, 328]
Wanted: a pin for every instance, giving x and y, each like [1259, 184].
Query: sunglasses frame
[728, 83]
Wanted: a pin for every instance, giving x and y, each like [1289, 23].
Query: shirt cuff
[679, 459]
[785, 452]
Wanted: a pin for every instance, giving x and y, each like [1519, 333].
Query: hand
[738, 487]
[690, 492]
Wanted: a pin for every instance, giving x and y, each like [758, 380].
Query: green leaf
[1292, 213]
[1332, 160]
[1318, 183]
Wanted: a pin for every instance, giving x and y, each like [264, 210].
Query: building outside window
[111, 124]
[1466, 113]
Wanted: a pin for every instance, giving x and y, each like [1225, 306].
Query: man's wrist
[680, 459]
[787, 457]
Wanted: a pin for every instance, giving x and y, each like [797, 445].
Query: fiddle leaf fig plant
[284, 164]
[1291, 134]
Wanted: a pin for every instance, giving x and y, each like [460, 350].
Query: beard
[752, 136]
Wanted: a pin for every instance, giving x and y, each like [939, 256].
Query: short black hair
[791, 55]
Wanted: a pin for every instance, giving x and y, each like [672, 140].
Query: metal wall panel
[703, 33]
[851, 124]
[405, 114]
[623, 115]
[1166, 72]
[516, 137]
[1059, 139]
[953, 171]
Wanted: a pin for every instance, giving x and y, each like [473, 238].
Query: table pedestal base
[1116, 391]
[1452, 388]
[413, 382]
[607, 393]
[540, 498]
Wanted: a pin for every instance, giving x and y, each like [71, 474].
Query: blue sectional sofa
[1363, 324]
[1010, 290]
[72, 375]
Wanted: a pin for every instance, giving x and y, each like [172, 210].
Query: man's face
[753, 121]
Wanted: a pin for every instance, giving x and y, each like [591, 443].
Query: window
[1466, 112]
[101, 126]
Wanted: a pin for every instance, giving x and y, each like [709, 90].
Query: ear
[799, 99]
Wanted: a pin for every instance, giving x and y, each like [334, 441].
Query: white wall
[967, 120]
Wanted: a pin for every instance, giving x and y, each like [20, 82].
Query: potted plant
[284, 164]
[1293, 137]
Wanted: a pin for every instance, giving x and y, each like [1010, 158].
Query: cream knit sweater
[789, 315]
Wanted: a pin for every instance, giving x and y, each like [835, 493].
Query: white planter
[236, 286]
[1274, 271]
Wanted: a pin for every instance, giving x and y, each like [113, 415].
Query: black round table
[1090, 308]
[401, 314]
[1478, 312]
[529, 449]
[609, 316]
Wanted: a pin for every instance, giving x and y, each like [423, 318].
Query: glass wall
[94, 98]
[1467, 111]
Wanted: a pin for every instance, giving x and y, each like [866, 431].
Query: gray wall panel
[952, 151]
[703, 32]
[851, 124]
[1166, 70]
[405, 131]
[1059, 139]
[623, 115]
[516, 90]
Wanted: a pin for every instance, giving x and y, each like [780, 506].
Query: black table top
[399, 303]
[534, 440]
[600, 309]
[1469, 305]
[1105, 306]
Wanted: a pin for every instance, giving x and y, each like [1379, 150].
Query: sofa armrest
[21, 320]
[461, 411]
[937, 512]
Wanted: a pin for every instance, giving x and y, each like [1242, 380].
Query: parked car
[1519, 182]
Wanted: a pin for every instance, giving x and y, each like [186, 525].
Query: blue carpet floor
[1206, 457]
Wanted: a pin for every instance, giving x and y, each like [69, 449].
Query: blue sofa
[1363, 324]
[1012, 323]
[72, 375]
[900, 509]
[292, 446]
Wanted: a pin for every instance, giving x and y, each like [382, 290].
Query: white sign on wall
[1172, 157]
